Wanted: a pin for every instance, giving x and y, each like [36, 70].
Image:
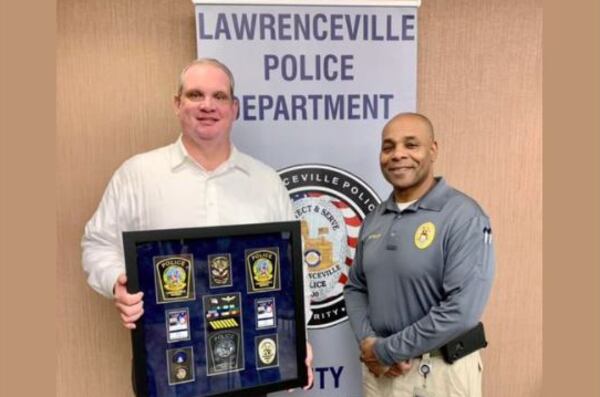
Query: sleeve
[102, 247]
[356, 295]
[467, 281]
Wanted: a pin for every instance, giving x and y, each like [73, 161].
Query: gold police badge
[424, 235]
[267, 351]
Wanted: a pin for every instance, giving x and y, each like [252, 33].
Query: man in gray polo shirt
[421, 276]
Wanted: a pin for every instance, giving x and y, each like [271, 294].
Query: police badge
[174, 278]
[266, 351]
[262, 269]
[219, 270]
[224, 353]
[424, 235]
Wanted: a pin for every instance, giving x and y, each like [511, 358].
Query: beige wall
[479, 80]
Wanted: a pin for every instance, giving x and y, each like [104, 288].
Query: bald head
[408, 151]
[417, 120]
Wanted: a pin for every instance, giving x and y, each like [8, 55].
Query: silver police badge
[224, 353]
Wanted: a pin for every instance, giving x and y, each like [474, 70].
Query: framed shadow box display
[223, 310]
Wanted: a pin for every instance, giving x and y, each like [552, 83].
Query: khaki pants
[461, 379]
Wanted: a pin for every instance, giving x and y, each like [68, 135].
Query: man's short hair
[206, 61]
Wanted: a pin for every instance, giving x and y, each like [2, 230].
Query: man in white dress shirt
[199, 180]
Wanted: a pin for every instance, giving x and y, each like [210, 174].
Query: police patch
[262, 267]
[424, 235]
[174, 278]
[220, 270]
[331, 204]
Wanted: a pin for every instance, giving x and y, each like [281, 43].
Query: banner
[316, 84]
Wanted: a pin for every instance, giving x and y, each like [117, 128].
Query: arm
[102, 248]
[467, 281]
[102, 251]
[356, 297]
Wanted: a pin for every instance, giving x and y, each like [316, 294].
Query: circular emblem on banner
[331, 204]
[424, 235]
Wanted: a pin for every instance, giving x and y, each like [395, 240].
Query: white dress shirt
[165, 188]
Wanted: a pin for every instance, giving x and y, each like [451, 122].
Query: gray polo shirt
[421, 276]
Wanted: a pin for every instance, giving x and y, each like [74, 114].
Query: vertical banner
[316, 83]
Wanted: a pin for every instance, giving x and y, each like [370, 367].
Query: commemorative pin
[180, 363]
[178, 324]
[174, 278]
[265, 313]
[262, 267]
[219, 270]
[267, 354]
[223, 334]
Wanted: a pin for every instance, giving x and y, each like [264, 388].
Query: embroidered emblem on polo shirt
[424, 235]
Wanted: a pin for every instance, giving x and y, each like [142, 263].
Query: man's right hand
[130, 306]
[398, 369]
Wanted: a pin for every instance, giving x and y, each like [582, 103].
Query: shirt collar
[179, 156]
[433, 200]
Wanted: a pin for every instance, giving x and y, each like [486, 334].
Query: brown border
[27, 220]
[571, 198]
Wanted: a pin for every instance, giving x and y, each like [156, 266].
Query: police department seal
[331, 204]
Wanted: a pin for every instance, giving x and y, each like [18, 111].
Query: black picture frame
[193, 356]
